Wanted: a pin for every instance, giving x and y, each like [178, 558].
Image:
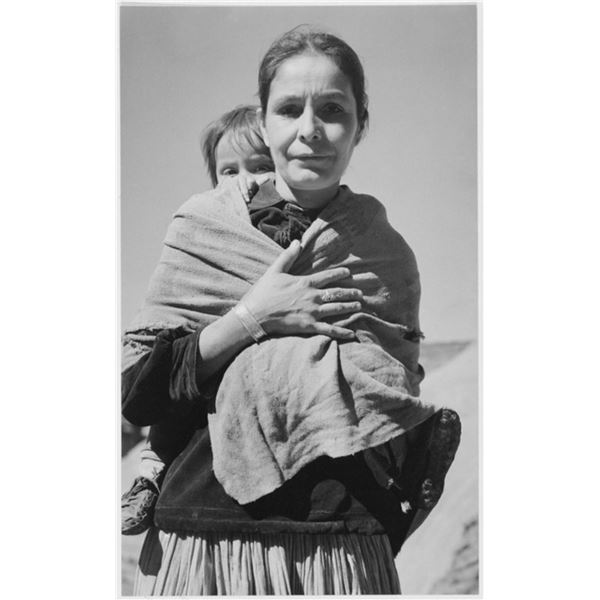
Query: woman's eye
[264, 169]
[290, 110]
[332, 109]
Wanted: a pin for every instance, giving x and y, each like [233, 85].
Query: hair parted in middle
[306, 39]
[243, 123]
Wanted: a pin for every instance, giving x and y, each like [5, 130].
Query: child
[232, 146]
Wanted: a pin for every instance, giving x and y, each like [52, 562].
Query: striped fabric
[265, 564]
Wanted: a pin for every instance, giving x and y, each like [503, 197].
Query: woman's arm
[182, 369]
[283, 305]
[220, 342]
[165, 381]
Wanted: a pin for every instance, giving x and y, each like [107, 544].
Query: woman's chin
[310, 181]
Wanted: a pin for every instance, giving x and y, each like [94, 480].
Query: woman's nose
[309, 128]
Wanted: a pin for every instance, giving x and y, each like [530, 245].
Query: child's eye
[229, 172]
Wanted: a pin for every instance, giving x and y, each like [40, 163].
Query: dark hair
[243, 122]
[306, 39]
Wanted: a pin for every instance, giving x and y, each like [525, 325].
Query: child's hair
[244, 123]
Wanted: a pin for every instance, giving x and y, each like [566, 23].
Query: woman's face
[310, 126]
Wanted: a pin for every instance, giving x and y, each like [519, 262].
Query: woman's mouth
[308, 157]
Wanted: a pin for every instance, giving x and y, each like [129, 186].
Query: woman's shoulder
[363, 207]
[367, 202]
[221, 200]
[373, 214]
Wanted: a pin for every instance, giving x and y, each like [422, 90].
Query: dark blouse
[328, 496]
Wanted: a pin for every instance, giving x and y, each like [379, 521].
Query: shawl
[287, 400]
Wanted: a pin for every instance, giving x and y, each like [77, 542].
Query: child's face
[237, 157]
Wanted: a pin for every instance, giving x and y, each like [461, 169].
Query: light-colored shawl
[286, 401]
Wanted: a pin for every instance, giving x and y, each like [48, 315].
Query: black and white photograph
[299, 299]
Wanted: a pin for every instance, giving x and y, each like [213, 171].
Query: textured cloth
[320, 397]
[163, 383]
[328, 496]
[254, 564]
[162, 389]
[282, 221]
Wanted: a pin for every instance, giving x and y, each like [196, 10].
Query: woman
[332, 521]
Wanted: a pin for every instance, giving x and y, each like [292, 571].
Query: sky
[182, 67]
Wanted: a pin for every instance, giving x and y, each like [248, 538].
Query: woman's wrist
[224, 333]
[249, 321]
[221, 341]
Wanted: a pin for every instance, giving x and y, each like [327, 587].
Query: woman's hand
[283, 304]
[289, 304]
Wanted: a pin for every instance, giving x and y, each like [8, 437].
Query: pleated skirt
[265, 564]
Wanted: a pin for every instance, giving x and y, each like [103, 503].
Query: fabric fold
[286, 401]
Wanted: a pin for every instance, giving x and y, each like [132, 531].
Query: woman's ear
[359, 135]
[263, 130]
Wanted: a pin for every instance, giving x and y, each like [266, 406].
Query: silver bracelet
[248, 320]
